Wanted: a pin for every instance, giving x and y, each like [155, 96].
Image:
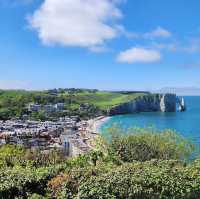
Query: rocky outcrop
[147, 103]
[182, 105]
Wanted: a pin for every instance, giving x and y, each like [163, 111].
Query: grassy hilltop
[103, 100]
[83, 102]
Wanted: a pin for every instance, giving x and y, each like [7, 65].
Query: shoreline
[95, 124]
[93, 130]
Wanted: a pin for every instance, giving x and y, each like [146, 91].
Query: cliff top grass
[105, 100]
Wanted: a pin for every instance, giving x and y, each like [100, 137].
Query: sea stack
[182, 106]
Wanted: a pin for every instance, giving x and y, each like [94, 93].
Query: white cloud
[158, 32]
[139, 55]
[80, 23]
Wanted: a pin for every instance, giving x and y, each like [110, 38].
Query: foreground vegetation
[143, 165]
[14, 103]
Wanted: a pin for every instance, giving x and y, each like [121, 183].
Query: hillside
[102, 100]
[83, 102]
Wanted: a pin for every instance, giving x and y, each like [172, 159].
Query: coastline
[93, 130]
[95, 124]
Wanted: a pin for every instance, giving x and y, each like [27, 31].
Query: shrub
[133, 166]
[36, 196]
[67, 185]
[56, 183]
[19, 181]
[149, 180]
[11, 155]
[147, 144]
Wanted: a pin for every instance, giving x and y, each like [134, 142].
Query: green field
[104, 100]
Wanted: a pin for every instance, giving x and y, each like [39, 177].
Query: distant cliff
[147, 103]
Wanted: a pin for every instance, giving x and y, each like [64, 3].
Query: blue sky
[107, 44]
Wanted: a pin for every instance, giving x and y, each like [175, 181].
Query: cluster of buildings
[47, 108]
[68, 134]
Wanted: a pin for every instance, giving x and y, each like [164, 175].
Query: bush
[11, 155]
[149, 180]
[147, 144]
[56, 183]
[19, 181]
[155, 179]
[36, 196]
[69, 188]
[135, 166]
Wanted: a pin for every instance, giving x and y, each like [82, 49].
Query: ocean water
[186, 123]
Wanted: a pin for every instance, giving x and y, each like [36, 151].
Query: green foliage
[41, 115]
[155, 179]
[36, 196]
[105, 100]
[149, 180]
[147, 144]
[94, 156]
[19, 181]
[118, 169]
[11, 155]
[77, 176]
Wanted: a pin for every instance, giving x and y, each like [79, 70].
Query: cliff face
[147, 103]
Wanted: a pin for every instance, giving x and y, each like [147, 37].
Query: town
[71, 135]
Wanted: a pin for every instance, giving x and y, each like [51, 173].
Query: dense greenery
[82, 102]
[152, 179]
[143, 165]
[146, 144]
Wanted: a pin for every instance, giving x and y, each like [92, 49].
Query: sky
[103, 44]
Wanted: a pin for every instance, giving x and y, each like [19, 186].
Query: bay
[186, 123]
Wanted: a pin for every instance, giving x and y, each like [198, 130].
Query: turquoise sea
[186, 123]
